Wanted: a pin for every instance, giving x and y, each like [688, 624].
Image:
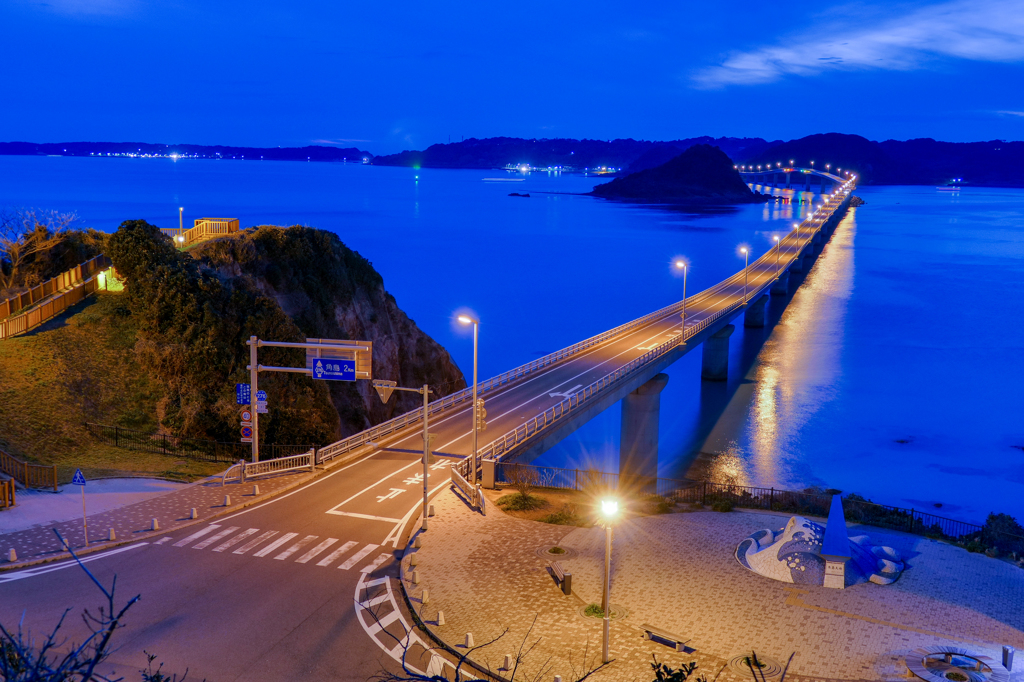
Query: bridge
[784, 177]
[305, 585]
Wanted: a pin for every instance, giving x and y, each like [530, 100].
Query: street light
[746, 262]
[777, 245]
[609, 510]
[181, 225]
[466, 319]
[682, 264]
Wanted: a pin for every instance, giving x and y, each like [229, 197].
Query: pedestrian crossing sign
[79, 478]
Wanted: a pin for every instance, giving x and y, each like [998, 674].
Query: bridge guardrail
[499, 447]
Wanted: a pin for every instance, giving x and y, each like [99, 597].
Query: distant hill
[702, 174]
[312, 153]
[912, 162]
[497, 152]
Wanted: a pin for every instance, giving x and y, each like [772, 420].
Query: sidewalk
[132, 522]
[677, 572]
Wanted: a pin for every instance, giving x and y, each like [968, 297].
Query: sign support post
[384, 390]
[253, 373]
[79, 480]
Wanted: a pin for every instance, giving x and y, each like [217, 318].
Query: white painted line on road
[197, 535]
[235, 540]
[295, 548]
[275, 544]
[396, 532]
[372, 485]
[32, 572]
[382, 622]
[364, 516]
[215, 538]
[357, 557]
[329, 559]
[316, 550]
[162, 540]
[379, 599]
[377, 563]
[252, 543]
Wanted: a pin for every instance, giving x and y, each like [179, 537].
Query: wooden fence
[204, 228]
[6, 493]
[29, 475]
[64, 280]
[55, 304]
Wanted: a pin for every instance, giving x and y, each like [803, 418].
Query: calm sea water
[895, 371]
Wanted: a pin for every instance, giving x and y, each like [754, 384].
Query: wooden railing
[50, 308]
[205, 228]
[6, 493]
[64, 280]
[29, 475]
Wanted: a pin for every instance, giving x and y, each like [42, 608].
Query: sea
[896, 370]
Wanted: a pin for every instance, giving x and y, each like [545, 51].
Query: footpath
[171, 510]
[677, 572]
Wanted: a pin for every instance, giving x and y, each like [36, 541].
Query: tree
[24, 233]
[522, 477]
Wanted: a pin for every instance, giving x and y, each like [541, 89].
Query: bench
[564, 578]
[677, 643]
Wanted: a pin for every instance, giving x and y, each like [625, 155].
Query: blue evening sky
[403, 75]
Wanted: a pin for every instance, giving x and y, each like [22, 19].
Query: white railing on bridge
[245, 470]
[499, 447]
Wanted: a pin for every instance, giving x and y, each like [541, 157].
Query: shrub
[521, 502]
[568, 515]
[522, 477]
[722, 505]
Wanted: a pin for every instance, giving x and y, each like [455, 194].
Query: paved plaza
[677, 572]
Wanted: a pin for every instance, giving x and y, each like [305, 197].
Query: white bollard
[507, 665]
[413, 560]
[469, 640]
[12, 556]
[558, 678]
[112, 536]
[416, 544]
[430, 510]
[194, 515]
[440, 618]
[425, 598]
[255, 490]
[227, 500]
[416, 577]
[155, 526]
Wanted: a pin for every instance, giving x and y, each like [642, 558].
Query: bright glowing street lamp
[466, 319]
[682, 264]
[609, 510]
[746, 262]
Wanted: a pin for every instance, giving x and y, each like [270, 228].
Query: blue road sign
[242, 396]
[261, 396]
[79, 479]
[337, 370]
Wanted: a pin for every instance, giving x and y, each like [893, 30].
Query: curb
[92, 549]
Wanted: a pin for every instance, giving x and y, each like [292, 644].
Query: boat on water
[951, 186]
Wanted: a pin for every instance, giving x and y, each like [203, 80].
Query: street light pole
[682, 264]
[746, 263]
[384, 389]
[475, 466]
[609, 508]
[778, 245]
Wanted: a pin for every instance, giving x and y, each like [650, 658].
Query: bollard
[469, 640]
[1007, 655]
[12, 556]
[111, 537]
[430, 510]
[255, 490]
[194, 515]
[416, 544]
[416, 577]
[558, 678]
[425, 597]
[227, 500]
[440, 618]
[155, 526]
[507, 665]
[413, 561]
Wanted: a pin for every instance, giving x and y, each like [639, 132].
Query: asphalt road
[299, 588]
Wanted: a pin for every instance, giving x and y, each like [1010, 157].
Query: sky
[385, 77]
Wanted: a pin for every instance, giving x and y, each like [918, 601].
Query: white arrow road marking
[567, 393]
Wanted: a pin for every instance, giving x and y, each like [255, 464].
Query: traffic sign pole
[253, 372]
[79, 480]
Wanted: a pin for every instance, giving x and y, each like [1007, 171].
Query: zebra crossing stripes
[284, 546]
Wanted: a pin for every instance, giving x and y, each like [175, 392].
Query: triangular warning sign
[384, 388]
[79, 479]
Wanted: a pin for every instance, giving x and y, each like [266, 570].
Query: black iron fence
[188, 448]
[856, 508]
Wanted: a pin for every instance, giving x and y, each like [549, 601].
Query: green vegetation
[567, 515]
[593, 611]
[520, 502]
[722, 505]
[556, 550]
[956, 677]
[665, 673]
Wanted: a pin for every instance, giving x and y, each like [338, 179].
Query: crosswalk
[282, 547]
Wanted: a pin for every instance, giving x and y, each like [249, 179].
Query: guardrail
[29, 475]
[469, 491]
[499, 447]
[6, 493]
[245, 470]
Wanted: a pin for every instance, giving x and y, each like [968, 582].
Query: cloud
[339, 141]
[1011, 113]
[978, 30]
[90, 7]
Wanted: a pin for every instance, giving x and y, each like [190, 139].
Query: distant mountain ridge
[310, 153]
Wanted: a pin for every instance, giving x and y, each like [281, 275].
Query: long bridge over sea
[532, 407]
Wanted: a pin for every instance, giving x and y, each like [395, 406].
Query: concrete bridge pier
[780, 287]
[715, 365]
[807, 182]
[788, 180]
[754, 315]
[638, 444]
[816, 239]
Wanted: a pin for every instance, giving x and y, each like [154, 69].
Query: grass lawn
[80, 367]
[571, 507]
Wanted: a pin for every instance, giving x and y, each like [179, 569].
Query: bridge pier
[788, 180]
[638, 444]
[715, 365]
[807, 182]
[780, 287]
[754, 315]
[816, 238]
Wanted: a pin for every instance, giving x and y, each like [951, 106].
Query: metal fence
[29, 475]
[244, 470]
[188, 448]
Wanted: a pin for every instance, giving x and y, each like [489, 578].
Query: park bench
[677, 643]
[564, 578]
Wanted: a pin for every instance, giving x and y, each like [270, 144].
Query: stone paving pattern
[133, 522]
[677, 572]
